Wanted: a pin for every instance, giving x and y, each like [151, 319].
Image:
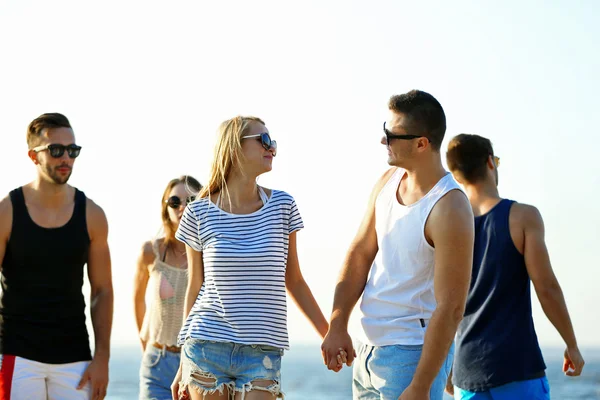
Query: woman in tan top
[163, 264]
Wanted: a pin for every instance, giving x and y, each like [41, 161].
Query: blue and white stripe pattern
[243, 297]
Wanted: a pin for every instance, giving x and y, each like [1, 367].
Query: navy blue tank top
[496, 342]
[42, 309]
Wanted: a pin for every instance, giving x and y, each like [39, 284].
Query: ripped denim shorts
[208, 367]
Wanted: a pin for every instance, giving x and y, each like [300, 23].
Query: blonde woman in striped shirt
[241, 248]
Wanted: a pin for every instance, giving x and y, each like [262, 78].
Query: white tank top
[398, 299]
[164, 315]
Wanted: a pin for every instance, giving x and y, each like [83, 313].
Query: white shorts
[22, 379]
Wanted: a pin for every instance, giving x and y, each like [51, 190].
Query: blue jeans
[533, 389]
[383, 373]
[157, 372]
[210, 367]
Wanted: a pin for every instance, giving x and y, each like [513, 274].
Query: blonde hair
[228, 152]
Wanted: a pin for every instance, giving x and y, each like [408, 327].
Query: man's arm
[450, 228]
[351, 283]
[5, 225]
[101, 303]
[546, 285]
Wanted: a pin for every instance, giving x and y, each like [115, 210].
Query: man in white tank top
[411, 262]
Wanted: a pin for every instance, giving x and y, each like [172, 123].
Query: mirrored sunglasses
[265, 140]
[57, 150]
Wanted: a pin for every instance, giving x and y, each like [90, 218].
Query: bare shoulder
[386, 176]
[451, 220]
[383, 180]
[94, 211]
[526, 215]
[455, 206]
[96, 219]
[6, 215]
[147, 253]
[6, 207]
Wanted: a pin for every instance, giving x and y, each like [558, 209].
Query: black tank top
[496, 341]
[42, 309]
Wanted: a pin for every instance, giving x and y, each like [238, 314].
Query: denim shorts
[384, 372]
[157, 372]
[532, 389]
[208, 367]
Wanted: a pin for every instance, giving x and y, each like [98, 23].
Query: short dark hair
[44, 121]
[425, 113]
[467, 156]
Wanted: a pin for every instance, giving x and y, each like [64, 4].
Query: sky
[146, 84]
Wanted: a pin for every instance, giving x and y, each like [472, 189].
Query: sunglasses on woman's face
[57, 150]
[265, 140]
[175, 201]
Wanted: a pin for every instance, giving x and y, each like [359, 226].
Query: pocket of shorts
[545, 385]
[193, 341]
[151, 357]
[409, 347]
[271, 350]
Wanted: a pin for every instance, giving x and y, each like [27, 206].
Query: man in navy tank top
[497, 355]
[411, 262]
[49, 231]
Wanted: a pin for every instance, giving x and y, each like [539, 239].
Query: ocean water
[305, 377]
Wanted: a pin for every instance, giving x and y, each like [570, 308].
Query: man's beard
[56, 177]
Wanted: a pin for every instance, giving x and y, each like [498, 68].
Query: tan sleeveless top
[164, 314]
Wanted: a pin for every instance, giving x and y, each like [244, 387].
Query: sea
[305, 377]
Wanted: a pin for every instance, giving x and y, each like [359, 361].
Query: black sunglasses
[175, 201]
[57, 150]
[389, 136]
[265, 140]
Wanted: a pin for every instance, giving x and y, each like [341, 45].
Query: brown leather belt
[172, 349]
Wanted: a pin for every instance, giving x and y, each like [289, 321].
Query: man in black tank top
[48, 231]
[497, 352]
